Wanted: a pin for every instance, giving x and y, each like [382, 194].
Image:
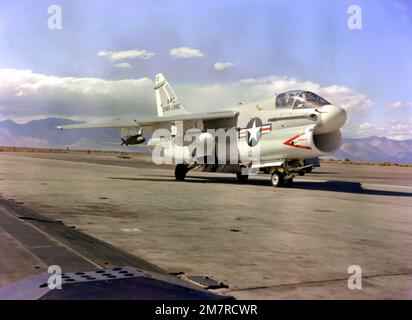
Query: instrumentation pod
[131, 140]
[133, 137]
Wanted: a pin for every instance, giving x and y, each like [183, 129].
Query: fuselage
[291, 125]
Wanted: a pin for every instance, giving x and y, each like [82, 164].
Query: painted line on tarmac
[366, 185]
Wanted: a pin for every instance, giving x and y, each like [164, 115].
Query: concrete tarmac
[263, 242]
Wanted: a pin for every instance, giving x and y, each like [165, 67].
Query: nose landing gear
[276, 179]
[280, 179]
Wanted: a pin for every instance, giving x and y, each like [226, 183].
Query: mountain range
[42, 134]
[375, 149]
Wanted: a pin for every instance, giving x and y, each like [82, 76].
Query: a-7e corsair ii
[286, 128]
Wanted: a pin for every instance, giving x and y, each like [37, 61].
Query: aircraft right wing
[148, 123]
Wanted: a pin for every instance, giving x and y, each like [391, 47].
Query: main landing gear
[242, 178]
[282, 176]
[180, 172]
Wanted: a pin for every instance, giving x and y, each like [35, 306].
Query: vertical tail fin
[167, 102]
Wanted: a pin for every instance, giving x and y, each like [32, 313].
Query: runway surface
[262, 242]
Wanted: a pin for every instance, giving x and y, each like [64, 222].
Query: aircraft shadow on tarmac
[331, 185]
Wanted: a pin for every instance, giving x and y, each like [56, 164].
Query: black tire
[241, 177]
[277, 179]
[180, 172]
[309, 170]
[302, 172]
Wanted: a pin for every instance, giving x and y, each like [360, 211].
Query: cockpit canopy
[299, 99]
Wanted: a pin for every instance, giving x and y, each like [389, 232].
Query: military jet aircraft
[286, 129]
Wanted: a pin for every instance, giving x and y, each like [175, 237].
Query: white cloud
[219, 66]
[186, 52]
[393, 129]
[365, 125]
[249, 90]
[123, 65]
[394, 105]
[126, 54]
[24, 93]
[350, 100]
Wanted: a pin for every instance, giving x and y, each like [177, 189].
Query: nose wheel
[278, 180]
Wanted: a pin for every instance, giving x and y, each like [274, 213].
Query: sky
[101, 63]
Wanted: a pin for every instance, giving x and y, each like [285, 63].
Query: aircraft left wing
[147, 123]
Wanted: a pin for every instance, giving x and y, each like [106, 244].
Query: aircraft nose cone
[332, 118]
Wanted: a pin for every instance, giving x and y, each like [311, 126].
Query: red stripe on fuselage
[290, 143]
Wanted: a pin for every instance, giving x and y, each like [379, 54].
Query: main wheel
[241, 177]
[180, 172]
[277, 179]
[309, 170]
